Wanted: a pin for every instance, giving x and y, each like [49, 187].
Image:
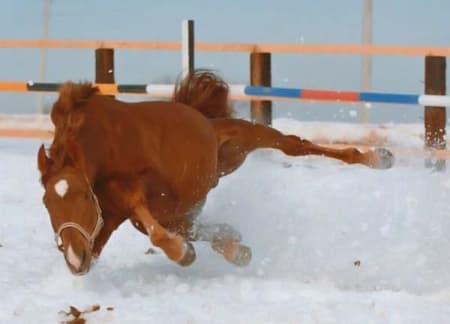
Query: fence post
[260, 75]
[435, 117]
[104, 65]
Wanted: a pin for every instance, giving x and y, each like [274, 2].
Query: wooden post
[187, 47]
[435, 117]
[43, 65]
[104, 65]
[260, 75]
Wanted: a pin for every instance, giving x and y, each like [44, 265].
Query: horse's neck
[92, 136]
[99, 137]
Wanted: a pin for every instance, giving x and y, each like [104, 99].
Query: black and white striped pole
[187, 47]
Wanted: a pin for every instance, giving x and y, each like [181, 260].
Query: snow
[401, 135]
[31, 121]
[332, 243]
[353, 113]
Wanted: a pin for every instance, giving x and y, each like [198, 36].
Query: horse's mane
[67, 117]
[205, 91]
[71, 96]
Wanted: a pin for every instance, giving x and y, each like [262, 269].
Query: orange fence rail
[354, 49]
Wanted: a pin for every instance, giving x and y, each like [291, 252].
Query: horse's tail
[204, 91]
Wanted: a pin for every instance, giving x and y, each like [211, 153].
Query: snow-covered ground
[332, 243]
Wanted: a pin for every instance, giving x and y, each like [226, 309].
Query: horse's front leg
[100, 241]
[110, 224]
[174, 246]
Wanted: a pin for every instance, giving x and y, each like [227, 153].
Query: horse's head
[73, 208]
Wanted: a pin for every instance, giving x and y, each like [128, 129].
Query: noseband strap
[89, 237]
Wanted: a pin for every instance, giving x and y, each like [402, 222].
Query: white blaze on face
[61, 187]
[73, 259]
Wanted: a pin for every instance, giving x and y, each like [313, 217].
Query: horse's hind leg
[237, 138]
[379, 158]
[225, 240]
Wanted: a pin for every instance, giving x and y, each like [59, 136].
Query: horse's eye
[87, 196]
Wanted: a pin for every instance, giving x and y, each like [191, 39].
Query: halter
[89, 237]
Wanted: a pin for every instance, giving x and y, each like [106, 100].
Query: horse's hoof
[385, 158]
[189, 255]
[242, 257]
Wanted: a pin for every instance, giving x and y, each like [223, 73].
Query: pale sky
[408, 22]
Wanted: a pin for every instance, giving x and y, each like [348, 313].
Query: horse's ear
[44, 162]
[73, 151]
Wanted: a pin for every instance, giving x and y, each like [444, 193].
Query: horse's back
[170, 139]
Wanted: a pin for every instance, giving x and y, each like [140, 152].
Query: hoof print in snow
[151, 251]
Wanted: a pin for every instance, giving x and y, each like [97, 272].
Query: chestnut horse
[154, 164]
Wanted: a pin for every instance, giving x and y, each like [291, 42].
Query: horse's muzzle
[79, 263]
